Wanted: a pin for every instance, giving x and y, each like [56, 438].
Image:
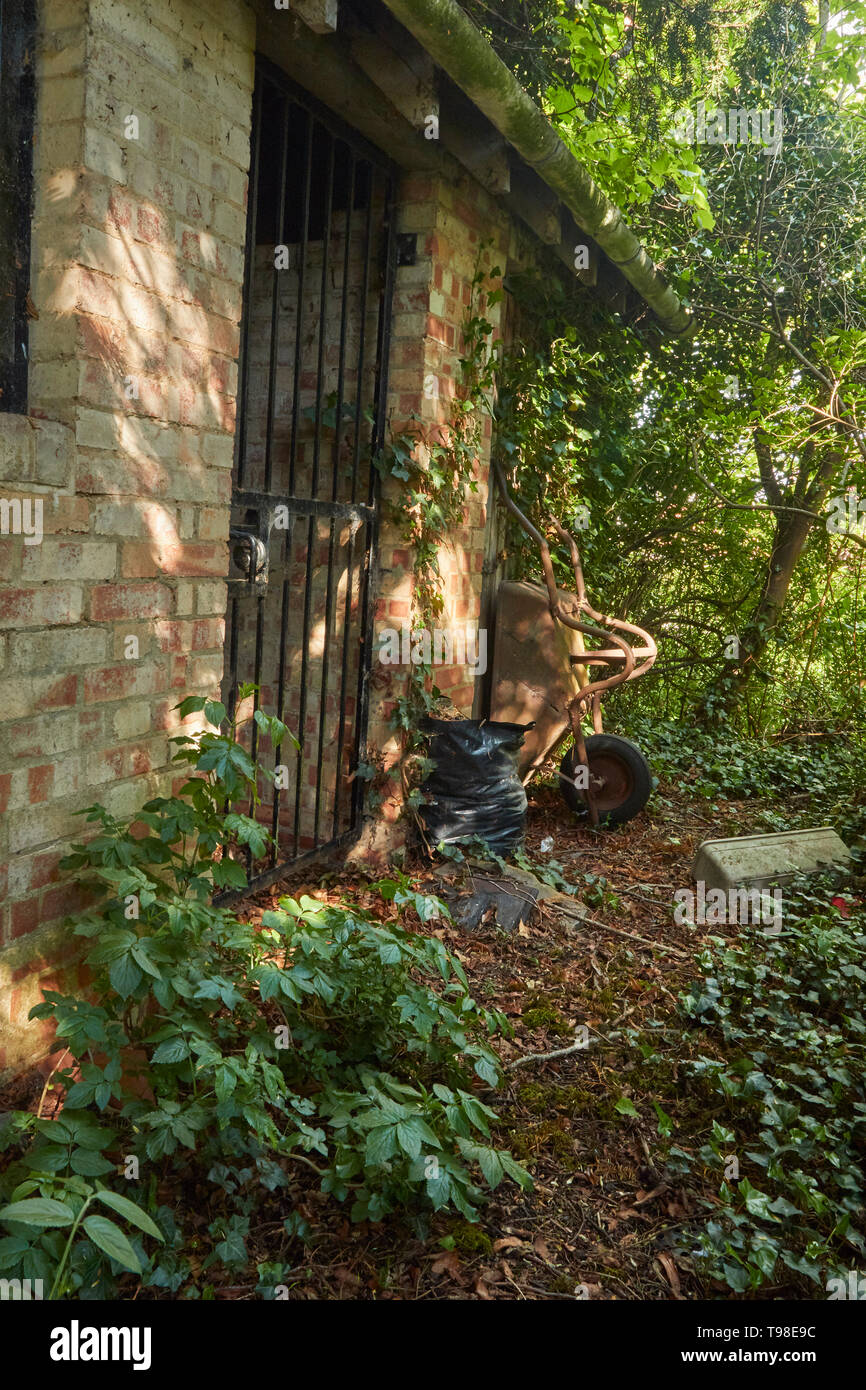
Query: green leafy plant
[68, 1249]
[791, 1082]
[214, 1051]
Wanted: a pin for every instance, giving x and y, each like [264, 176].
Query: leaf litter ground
[603, 1221]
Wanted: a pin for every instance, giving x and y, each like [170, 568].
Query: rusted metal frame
[649, 651]
[588, 698]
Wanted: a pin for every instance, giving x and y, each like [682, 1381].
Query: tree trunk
[792, 531]
[789, 541]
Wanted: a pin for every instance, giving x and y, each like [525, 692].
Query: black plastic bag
[474, 789]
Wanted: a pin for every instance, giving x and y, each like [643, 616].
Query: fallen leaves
[448, 1263]
[673, 1275]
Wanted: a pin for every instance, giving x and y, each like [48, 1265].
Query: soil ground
[603, 1219]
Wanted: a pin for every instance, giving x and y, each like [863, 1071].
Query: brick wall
[459, 227]
[141, 161]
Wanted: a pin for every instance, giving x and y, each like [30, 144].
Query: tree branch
[746, 506]
[759, 507]
[765, 466]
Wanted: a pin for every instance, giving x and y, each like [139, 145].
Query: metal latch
[249, 554]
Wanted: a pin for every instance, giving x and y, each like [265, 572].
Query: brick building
[238, 242]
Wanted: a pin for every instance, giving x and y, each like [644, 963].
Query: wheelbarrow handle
[624, 653]
[546, 562]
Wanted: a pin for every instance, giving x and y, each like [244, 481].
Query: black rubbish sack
[474, 789]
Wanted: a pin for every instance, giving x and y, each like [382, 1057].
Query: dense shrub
[790, 1014]
[720, 762]
[210, 1052]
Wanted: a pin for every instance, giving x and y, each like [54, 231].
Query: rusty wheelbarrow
[541, 676]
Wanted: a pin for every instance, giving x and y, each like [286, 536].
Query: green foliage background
[699, 458]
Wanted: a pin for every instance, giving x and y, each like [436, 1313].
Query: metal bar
[302, 718]
[232, 679]
[246, 313]
[362, 340]
[302, 267]
[324, 116]
[273, 361]
[281, 695]
[344, 307]
[323, 315]
[383, 333]
[17, 117]
[344, 674]
[364, 656]
[257, 677]
[329, 613]
[325, 853]
[383, 339]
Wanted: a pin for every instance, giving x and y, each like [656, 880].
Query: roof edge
[453, 41]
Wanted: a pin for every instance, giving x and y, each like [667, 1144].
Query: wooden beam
[471, 138]
[318, 15]
[323, 65]
[409, 86]
[579, 251]
[535, 204]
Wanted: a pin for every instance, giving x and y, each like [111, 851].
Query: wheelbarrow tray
[533, 679]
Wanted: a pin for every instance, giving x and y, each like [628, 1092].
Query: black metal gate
[17, 111]
[311, 401]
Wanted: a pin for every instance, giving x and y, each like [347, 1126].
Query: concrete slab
[758, 860]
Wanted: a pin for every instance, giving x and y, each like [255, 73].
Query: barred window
[17, 109]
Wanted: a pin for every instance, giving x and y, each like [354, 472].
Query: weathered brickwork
[141, 161]
[117, 608]
[459, 229]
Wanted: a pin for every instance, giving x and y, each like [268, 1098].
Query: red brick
[140, 762]
[59, 694]
[188, 559]
[17, 606]
[42, 869]
[40, 783]
[26, 917]
[208, 634]
[64, 900]
[120, 682]
[111, 601]
[138, 560]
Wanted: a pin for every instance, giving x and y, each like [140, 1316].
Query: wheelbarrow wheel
[621, 779]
